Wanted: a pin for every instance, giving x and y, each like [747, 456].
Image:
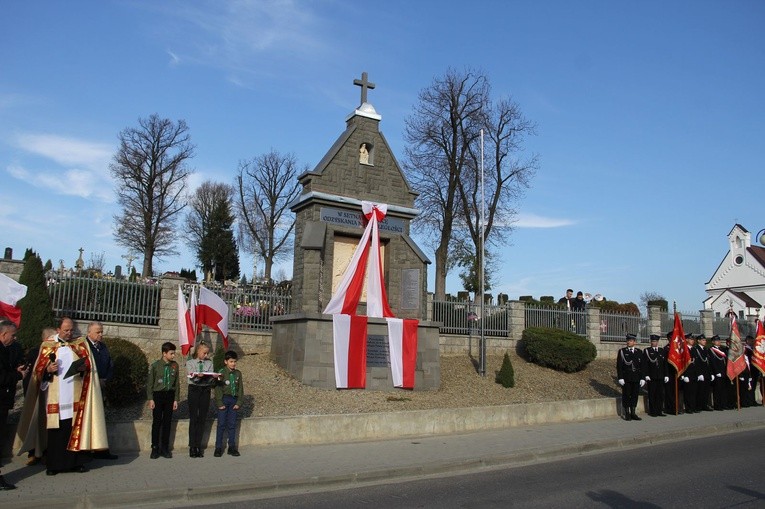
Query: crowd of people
[702, 386]
[62, 421]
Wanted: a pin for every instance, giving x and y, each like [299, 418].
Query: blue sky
[650, 116]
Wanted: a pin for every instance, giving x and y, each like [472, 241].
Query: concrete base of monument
[302, 344]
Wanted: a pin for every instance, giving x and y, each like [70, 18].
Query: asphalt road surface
[725, 471]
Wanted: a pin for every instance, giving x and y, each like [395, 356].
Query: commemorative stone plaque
[377, 351]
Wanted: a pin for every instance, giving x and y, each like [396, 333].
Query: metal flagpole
[483, 232]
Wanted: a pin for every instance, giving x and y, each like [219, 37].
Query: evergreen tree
[506, 374]
[48, 266]
[209, 231]
[36, 307]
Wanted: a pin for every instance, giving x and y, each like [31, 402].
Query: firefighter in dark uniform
[669, 387]
[655, 374]
[629, 373]
[720, 383]
[690, 378]
[705, 375]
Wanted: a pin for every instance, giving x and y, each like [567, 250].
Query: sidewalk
[135, 479]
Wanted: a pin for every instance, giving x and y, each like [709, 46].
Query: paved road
[136, 480]
[710, 473]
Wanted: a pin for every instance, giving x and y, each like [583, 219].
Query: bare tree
[445, 123]
[209, 230]
[150, 172]
[505, 177]
[267, 184]
[97, 262]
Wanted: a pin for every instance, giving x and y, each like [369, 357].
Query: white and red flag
[10, 293]
[736, 359]
[350, 341]
[350, 331]
[213, 312]
[186, 329]
[402, 343]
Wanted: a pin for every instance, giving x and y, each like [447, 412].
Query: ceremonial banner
[679, 355]
[350, 340]
[736, 360]
[213, 312]
[758, 357]
[402, 342]
[10, 293]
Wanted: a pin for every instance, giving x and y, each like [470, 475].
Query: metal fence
[615, 326]
[251, 308]
[461, 317]
[556, 318]
[107, 300]
[691, 322]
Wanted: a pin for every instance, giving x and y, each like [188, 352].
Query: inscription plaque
[377, 351]
[410, 288]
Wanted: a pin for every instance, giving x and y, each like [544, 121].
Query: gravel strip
[271, 391]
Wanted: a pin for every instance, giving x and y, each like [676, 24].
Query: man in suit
[104, 366]
[629, 374]
[655, 374]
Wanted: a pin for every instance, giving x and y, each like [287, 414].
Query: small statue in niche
[363, 154]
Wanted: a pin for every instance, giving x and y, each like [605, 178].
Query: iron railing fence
[106, 300]
[462, 317]
[556, 318]
[691, 322]
[251, 308]
[614, 327]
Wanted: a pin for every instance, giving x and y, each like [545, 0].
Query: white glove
[741, 378]
[686, 379]
[642, 383]
[719, 375]
[648, 379]
[700, 378]
[621, 381]
[666, 379]
[711, 378]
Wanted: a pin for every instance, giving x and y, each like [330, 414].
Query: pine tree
[36, 307]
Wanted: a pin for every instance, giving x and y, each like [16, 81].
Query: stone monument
[329, 224]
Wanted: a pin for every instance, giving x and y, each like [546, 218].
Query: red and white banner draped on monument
[350, 329]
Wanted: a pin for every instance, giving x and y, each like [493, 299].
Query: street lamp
[760, 237]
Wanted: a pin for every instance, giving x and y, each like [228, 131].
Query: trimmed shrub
[661, 303]
[557, 349]
[128, 385]
[506, 374]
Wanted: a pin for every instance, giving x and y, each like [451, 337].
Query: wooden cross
[365, 85]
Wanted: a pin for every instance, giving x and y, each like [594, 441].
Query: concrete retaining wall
[343, 428]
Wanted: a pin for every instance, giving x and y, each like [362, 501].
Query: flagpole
[483, 264]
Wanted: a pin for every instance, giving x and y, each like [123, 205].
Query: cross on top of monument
[365, 85]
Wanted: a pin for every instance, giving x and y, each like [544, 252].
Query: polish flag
[350, 338]
[186, 333]
[213, 312]
[10, 293]
[402, 344]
